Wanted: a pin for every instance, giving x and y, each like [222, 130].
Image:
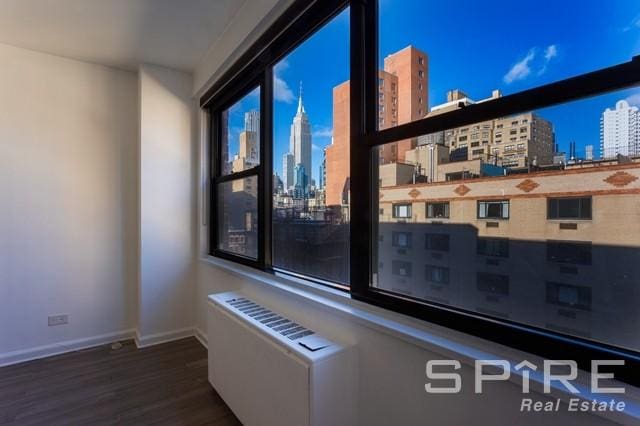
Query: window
[438, 210]
[493, 209]
[493, 283]
[238, 213]
[310, 220]
[401, 268]
[437, 274]
[439, 242]
[288, 225]
[496, 247]
[578, 208]
[401, 239]
[402, 210]
[569, 252]
[570, 296]
[236, 184]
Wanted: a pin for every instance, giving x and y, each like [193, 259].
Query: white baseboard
[16, 357]
[156, 339]
[202, 337]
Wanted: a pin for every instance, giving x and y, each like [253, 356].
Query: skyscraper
[252, 121]
[620, 131]
[287, 171]
[302, 182]
[402, 97]
[300, 143]
[250, 139]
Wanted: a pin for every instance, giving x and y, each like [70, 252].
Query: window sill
[450, 344]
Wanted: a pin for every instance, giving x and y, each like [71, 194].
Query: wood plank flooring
[163, 384]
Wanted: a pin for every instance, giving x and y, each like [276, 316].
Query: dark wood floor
[163, 384]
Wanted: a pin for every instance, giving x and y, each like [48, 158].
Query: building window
[438, 210]
[577, 253]
[438, 242]
[401, 268]
[569, 296]
[401, 239]
[437, 274]
[420, 73]
[402, 211]
[421, 60]
[575, 208]
[462, 138]
[496, 247]
[493, 283]
[493, 209]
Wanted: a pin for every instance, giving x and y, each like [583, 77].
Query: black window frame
[395, 237]
[429, 205]
[556, 209]
[557, 252]
[501, 202]
[437, 242]
[294, 26]
[502, 243]
[395, 215]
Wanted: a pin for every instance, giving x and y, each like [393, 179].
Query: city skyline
[328, 51]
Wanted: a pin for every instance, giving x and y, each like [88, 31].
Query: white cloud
[635, 23]
[316, 147]
[550, 52]
[521, 69]
[634, 99]
[322, 132]
[281, 90]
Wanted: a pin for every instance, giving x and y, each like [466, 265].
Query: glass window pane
[550, 235]
[435, 56]
[240, 125]
[238, 217]
[311, 156]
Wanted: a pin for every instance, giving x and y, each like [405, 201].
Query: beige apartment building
[516, 141]
[558, 249]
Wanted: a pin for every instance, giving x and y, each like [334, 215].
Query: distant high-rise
[252, 121]
[620, 131]
[250, 139]
[588, 152]
[402, 98]
[287, 170]
[300, 140]
[301, 181]
[321, 170]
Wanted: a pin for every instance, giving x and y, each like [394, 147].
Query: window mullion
[265, 188]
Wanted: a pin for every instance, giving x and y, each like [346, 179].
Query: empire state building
[299, 150]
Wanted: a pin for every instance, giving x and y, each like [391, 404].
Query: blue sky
[473, 46]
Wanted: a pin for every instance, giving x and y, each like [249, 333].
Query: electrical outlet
[58, 320]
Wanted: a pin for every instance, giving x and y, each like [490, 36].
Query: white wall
[167, 204]
[245, 28]
[68, 134]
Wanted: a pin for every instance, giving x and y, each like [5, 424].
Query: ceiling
[119, 33]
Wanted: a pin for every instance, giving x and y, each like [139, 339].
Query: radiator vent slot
[259, 314]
